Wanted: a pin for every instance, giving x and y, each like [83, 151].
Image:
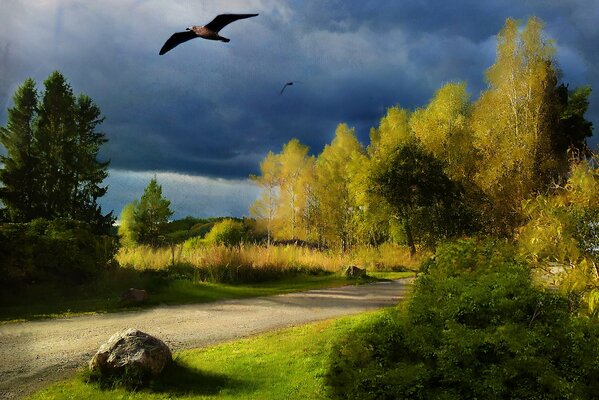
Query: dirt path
[34, 354]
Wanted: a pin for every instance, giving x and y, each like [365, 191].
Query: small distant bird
[287, 84]
[208, 31]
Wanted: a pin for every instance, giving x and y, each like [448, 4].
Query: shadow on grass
[179, 379]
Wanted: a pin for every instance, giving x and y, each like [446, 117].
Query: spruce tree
[55, 134]
[19, 173]
[151, 213]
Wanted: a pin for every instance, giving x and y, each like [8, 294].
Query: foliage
[475, 327]
[409, 180]
[444, 130]
[143, 221]
[393, 132]
[295, 164]
[57, 250]
[336, 167]
[514, 121]
[128, 227]
[264, 208]
[51, 169]
[504, 148]
[561, 234]
[226, 232]
[180, 230]
[573, 128]
[20, 164]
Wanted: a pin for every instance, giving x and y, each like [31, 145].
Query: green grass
[391, 275]
[285, 364]
[103, 296]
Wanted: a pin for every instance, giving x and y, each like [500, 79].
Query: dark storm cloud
[214, 109]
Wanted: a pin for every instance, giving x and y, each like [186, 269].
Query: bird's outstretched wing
[284, 86]
[288, 84]
[220, 21]
[176, 39]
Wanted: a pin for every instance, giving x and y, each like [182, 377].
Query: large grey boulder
[131, 349]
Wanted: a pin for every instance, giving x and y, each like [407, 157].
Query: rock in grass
[133, 351]
[354, 272]
[134, 296]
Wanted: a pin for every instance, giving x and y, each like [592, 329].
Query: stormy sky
[202, 116]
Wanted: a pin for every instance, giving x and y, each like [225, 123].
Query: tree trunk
[407, 227]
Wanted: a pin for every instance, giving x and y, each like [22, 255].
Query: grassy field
[104, 296]
[284, 364]
[178, 275]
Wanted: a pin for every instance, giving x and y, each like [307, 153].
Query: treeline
[453, 167]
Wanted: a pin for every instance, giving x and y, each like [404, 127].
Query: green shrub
[475, 327]
[193, 243]
[227, 232]
[60, 249]
[179, 231]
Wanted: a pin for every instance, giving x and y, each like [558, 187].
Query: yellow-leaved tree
[265, 207]
[336, 167]
[513, 121]
[295, 166]
[393, 131]
[443, 128]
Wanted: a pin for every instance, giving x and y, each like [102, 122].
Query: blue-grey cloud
[214, 109]
[189, 195]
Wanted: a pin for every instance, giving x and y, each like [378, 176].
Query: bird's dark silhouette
[208, 31]
[285, 85]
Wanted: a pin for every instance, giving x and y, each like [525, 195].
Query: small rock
[131, 349]
[133, 296]
[354, 272]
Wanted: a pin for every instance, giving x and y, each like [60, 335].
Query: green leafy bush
[475, 327]
[60, 249]
[227, 232]
[181, 230]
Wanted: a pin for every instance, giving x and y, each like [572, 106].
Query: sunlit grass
[180, 275]
[386, 257]
[284, 364]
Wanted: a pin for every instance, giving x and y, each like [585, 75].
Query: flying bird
[287, 84]
[208, 31]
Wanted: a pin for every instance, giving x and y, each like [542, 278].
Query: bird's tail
[224, 39]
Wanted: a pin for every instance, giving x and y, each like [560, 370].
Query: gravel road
[34, 354]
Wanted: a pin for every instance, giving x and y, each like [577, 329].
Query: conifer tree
[151, 213]
[20, 166]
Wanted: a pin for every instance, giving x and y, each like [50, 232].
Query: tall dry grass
[253, 262]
